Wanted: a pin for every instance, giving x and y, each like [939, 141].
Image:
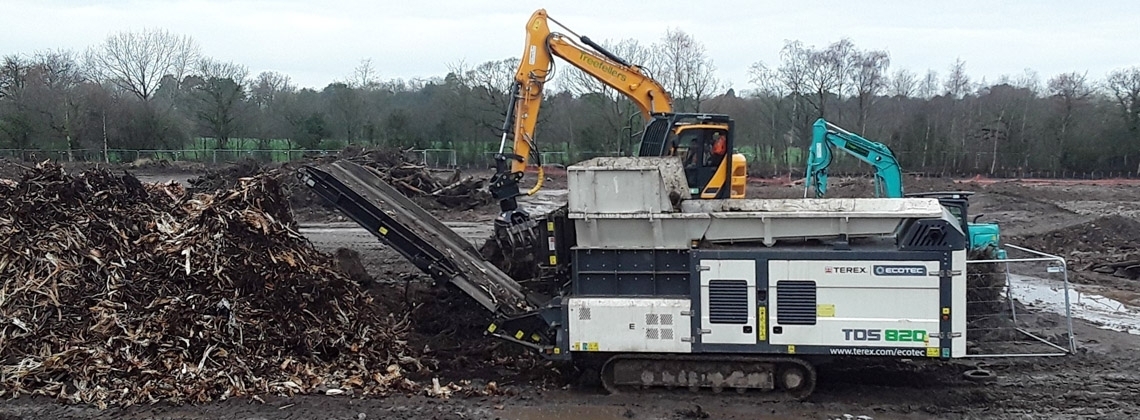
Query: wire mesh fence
[760, 162]
[436, 158]
[1019, 306]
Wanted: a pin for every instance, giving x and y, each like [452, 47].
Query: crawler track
[789, 377]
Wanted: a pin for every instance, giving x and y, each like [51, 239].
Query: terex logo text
[845, 270]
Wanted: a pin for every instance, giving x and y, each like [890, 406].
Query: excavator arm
[535, 67]
[888, 179]
[825, 135]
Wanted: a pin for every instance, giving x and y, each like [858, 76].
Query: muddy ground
[1084, 222]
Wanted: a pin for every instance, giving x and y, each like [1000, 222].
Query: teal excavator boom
[888, 179]
[888, 175]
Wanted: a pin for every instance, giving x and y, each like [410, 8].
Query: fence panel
[1019, 306]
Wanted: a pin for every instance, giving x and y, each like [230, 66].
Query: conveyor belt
[363, 196]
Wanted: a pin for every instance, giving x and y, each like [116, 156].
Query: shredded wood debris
[120, 293]
[414, 180]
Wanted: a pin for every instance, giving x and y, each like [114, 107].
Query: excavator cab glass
[702, 162]
[694, 138]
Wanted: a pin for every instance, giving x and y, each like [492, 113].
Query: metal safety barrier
[1019, 306]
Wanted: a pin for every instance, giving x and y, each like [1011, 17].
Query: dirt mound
[1105, 234]
[116, 292]
[1107, 245]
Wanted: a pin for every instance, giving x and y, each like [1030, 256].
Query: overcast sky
[316, 42]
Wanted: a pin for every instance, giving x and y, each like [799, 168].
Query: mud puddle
[1049, 295]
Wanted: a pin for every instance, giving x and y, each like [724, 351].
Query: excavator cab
[705, 144]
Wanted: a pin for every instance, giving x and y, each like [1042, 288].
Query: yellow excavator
[704, 141]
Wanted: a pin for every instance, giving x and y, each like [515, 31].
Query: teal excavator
[888, 180]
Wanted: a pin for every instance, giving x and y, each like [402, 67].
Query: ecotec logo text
[900, 270]
[845, 270]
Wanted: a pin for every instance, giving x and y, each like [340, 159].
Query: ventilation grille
[927, 235]
[583, 313]
[659, 333]
[658, 319]
[728, 301]
[653, 141]
[795, 302]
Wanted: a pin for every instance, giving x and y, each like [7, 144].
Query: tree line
[153, 89]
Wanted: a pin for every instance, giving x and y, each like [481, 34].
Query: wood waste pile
[119, 293]
[456, 192]
[414, 180]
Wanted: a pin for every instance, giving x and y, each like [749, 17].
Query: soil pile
[115, 292]
[1108, 245]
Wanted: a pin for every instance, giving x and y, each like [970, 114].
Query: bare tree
[957, 85]
[219, 94]
[59, 78]
[773, 90]
[1124, 85]
[957, 81]
[1030, 80]
[268, 93]
[903, 83]
[12, 72]
[795, 71]
[137, 61]
[1068, 91]
[928, 88]
[825, 73]
[842, 59]
[268, 86]
[213, 69]
[868, 79]
[364, 76]
[685, 70]
[491, 82]
[15, 121]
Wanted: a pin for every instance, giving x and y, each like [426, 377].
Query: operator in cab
[719, 148]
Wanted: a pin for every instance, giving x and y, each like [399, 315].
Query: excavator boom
[535, 67]
[888, 175]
